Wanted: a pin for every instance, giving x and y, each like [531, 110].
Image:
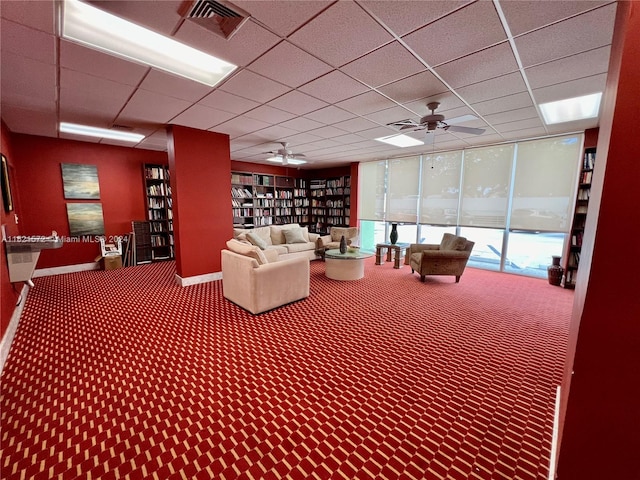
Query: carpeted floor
[123, 374]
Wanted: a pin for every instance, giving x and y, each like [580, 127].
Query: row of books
[156, 190]
[156, 173]
[585, 176]
[589, 160]
[238, 192]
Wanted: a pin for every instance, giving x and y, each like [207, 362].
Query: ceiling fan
[433, 121]
[285, 156]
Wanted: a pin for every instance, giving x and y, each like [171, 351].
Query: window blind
[402, 190]
[440, 188]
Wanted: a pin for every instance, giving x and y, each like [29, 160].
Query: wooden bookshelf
[159, 211]
[301, 202]
[330, 203]
[572, 259]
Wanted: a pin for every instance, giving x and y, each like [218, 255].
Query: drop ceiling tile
[33, 44]
[523, 16]
[355, 125]
[348, 139]
[483, 65]
[486, 139]
[303, 138]
[329, 115]
[254, 87]
[421, 85]
[269, 114]
[228, 102]
[28, 102]
[472, 28]
[512, 116]
[297, 103]
[85, 60]
[519, 125]
[524, 133]
[366, 103]
[377, 132]
[404, 16]
[239, 126]
[503, 104]
[75, 101]
[37, 15]
[341, 34]
[393, 114]
[202, 118]
[283, 17]
[248, 43]
[31, 122]
[301, 124]
[275, 133]
[328, 132]
[91, 92]
[575, 88]
[398, 63]
[174, 86]
[569, 68]
[578, 34]
[151, 107]
[493, 88]
[289, 65]
[16, 70]
[333, 87]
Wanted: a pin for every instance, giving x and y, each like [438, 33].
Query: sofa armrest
[323, 241]
[419, 247]
[313, 237]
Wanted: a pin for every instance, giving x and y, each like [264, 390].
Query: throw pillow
[460, 243]
[250, 251]
[256, 240]
[294, 235]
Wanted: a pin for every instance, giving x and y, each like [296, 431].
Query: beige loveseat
[290, 240]
[259, 280]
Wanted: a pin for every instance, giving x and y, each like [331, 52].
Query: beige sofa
[259, 280]
[290, 240]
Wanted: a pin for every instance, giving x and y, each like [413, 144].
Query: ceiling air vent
[220, 17]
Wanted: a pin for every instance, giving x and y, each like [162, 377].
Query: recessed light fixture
[103, 31]
[400, 140]
[87, 131]
[290, 161]
[571, 109]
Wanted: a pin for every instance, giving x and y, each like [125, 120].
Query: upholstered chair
[332, 241]
[448, 258]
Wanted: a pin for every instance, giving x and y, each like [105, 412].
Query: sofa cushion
[256, 240]
[279, 249]
[250, 251]
[293, 235]
[299, 247]
[453, 242]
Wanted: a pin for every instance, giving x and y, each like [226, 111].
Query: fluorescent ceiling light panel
[290, 161]
[400, 140]
[571, 109]
[102, 31]
[87, 131]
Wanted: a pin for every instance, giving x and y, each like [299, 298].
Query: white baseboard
[80, 267]
[207, 277]
[7, 339]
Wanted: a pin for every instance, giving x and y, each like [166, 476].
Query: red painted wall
[39, 180]
[200, 167]
[8, 294]
[600, 436]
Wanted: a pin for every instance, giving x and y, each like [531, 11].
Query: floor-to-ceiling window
[513, 200]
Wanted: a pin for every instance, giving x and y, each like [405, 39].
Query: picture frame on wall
[7, 198]
[80, 182]
[85, 219]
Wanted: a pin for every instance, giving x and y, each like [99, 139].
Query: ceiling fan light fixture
[401, 140]
[290, 161]
[571, 109]
[102, 31]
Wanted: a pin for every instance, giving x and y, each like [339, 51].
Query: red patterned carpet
[123, 374]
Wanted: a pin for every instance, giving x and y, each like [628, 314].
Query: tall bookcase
[579, 218]
[259, 199]
[159, 211]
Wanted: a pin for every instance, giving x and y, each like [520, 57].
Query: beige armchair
[328, 242]
[448, 258]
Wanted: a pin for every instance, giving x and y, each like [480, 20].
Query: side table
[399, 250]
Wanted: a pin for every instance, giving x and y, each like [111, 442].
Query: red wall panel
[39, 177]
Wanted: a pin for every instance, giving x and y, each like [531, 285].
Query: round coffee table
[345, 266]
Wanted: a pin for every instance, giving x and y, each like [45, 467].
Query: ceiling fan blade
[296, 155]
[408, 123]
[411, 127]
[461, 129]
[461, 119]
